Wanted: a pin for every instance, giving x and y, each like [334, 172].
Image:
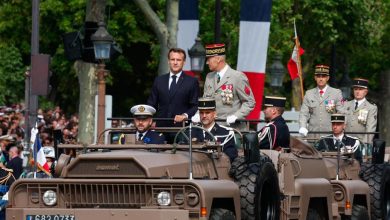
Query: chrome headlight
[192, 199]
[50, 197]
[164, 198]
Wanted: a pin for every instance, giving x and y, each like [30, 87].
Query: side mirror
[378, 151]
[251, 149]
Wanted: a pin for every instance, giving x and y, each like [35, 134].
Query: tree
[86, 73]
[166, 33]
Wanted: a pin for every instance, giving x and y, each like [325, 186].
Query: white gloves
[231, 119]
[303, 131]
[195, 118]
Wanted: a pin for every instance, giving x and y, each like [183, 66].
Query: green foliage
[358, 30]
[11, 75]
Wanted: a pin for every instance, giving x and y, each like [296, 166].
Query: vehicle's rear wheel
[377, 176]
[259, 189]
[221, 214]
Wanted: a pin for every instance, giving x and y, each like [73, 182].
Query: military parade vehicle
[198, 181]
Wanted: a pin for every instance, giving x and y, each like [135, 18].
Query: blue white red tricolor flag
[293, 65]
[255, 21]
[39, 155]
[188, 28]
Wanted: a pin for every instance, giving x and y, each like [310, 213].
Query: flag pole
[35, 152]
[298, 48]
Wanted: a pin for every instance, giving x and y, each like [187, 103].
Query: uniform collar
[360, 101]
[324, 89]
[222, 72]
[211, 127]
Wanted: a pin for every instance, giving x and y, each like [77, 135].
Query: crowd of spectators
[54, 127]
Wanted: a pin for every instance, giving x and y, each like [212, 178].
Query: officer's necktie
[218, 77]
[321, 93]
[140, 135]
[356, 105]
[173, 83]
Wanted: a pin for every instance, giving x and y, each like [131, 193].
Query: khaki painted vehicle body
[124, 181]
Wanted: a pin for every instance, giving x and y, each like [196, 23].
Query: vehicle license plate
[50, 217]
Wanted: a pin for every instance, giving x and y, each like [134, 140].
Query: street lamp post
[277, 72]
[345, 85]
[102, 42]
[197, 55]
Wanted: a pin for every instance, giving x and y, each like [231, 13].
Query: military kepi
[322, 70]
[142, 111]
[337, 118]
[215, 50]
[206, 103]
[361, 83]
[274, 101]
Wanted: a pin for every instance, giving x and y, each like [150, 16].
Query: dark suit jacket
[183, 100]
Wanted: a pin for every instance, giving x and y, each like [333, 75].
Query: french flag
[188, 28]
[39, 155]
[255, 22]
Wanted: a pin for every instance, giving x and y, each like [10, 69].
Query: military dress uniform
[232, 92]
[317, 108]
[349, 144]
[361, 117]
[274, 134]
[224, 135]
[149, 136]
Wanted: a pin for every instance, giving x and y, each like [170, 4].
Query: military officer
[224, 135]
[319, 103]
[230, 88]
[361, 114]
[329, 142]
[275, 134]
[143, 121]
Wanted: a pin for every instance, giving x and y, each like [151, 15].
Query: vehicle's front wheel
[259, 189]
[221, 214]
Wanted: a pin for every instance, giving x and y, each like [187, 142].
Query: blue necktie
[173, 83]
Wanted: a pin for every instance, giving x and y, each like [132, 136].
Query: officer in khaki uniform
[229, 88]
[361, 114]
[319, 103]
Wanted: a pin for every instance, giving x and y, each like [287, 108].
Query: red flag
[292, 64]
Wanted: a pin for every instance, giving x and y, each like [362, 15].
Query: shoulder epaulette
[227, 128]
[356, 138]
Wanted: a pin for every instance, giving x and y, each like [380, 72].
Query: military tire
[259, 190]
[377, 176]
[221, 214]
[238, 167]
[359, 212]
[313, 214]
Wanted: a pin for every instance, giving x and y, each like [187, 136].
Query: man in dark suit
[275, 134]
[175, 94]
[143, 121]
[332, 142]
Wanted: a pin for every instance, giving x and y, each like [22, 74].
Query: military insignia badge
[227, 94]
[330, 106]
[362, 117]
[141, 108]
